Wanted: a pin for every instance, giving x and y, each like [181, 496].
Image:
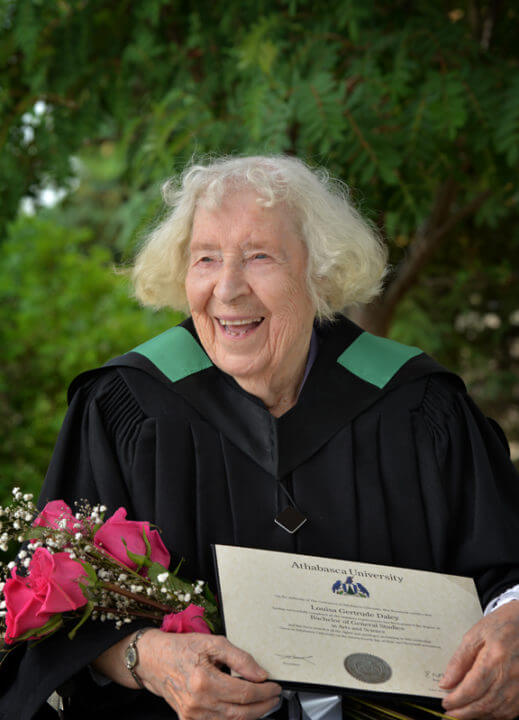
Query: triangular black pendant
[290, 520]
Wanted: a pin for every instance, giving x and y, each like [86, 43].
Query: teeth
[239, 322]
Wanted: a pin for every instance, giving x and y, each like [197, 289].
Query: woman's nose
[231, 283]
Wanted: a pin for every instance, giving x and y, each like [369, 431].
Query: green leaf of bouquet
[213, 623]
[35, 533]
[147, 544]
[91, 573]
[139, 560]
[175, 571]
[86, 614]
[55, 622]
[176, 583]
[209, 595]
[173, 582]
[154, 570]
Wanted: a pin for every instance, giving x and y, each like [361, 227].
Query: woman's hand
[185, 670]
[484, 670]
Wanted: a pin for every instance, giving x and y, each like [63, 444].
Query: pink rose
[50, 587]
[23, 608]
[188, 620]
[54, 513]
[110, 537]
[54, 581]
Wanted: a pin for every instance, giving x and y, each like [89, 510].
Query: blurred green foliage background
[414, 104]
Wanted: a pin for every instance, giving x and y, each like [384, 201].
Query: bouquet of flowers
[73, 566]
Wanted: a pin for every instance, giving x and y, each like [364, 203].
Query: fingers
[206, 695]
[486, 669]
[461, 662]
[185, 671]
[238, 660]
[473, 688]
[207, 680]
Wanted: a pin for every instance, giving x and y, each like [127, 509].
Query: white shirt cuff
[505, 597]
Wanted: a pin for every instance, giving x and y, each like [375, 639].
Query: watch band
[132, 656]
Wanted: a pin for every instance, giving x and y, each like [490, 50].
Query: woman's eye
[260, 256]
[205, 259]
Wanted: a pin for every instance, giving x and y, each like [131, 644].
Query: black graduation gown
[384, 453]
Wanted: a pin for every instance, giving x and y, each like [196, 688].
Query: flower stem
[137, 613]
[143, 599]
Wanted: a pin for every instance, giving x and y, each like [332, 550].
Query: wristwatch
[131, 656]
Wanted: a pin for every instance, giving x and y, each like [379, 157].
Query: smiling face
[246, 289]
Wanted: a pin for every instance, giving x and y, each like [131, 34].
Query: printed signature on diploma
[302, 658]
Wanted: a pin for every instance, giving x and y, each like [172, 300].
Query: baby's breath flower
[163, 577]
[28, 496]
[2, 605]
[22, 554]
[187, 597]
[28, 517]
[20, 538]
[11, 565]
[26, 562]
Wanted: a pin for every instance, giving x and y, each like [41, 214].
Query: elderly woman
[266, 399]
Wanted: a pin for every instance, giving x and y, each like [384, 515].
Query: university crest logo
[348, 587]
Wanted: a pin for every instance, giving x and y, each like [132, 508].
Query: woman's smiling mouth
[239, 327]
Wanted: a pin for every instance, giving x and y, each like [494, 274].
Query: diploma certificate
[332, 623]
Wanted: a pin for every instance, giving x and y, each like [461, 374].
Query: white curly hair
[346, 257]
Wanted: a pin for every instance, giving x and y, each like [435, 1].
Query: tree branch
[378, 315]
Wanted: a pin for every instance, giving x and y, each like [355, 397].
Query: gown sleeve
[92, 460]
[480, 485]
